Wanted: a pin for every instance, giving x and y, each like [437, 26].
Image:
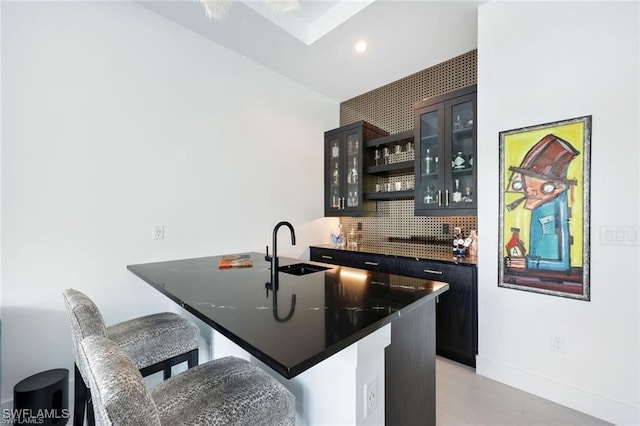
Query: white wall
[115, 120]
[541, 62]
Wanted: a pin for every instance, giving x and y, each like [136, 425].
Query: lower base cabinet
[456, 309]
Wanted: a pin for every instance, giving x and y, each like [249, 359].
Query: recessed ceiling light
[361, 46]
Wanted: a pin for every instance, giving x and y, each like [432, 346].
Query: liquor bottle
[457, 125]
[458, 241]
[354, 172]
[428, 163]
[458, 161]
[336, 175]
[335, 150]
[468, 196]
[457, 195]
[429, 195]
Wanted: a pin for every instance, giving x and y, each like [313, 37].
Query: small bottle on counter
[458, 242]
[473, 246]
[351, 239]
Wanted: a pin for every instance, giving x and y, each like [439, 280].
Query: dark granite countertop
[333, 308]
[398, 250]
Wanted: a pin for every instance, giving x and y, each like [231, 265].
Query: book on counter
[235, 261]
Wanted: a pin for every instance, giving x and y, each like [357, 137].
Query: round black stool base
[42, 399]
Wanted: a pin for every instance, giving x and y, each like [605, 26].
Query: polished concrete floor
[465, 398]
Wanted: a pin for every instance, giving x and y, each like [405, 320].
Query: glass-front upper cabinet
[343, 168]
[429, 189]
[445, 155]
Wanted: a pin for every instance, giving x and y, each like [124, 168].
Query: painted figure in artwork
[542, 179]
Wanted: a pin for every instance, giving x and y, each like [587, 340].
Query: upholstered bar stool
[226, 391]
[154, 343]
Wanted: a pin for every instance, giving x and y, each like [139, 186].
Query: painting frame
[544, 210]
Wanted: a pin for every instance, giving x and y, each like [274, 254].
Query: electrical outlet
[446, 228]
[370, 396]
[557, 344]
[158, 232]
[620, 235]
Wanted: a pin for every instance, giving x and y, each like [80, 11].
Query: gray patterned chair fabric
[154, 342]
[226, 391]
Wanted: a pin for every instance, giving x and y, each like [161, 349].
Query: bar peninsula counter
[328, 334]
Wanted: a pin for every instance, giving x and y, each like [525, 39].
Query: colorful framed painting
[544, 208]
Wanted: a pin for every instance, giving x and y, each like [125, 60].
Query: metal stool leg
[91, 420]
[193, 359]
[80, 397]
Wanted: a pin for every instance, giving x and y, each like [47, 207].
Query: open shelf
[384, 169]
[389, 195]
[385, 140]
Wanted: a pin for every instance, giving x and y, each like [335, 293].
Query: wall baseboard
[586, 402]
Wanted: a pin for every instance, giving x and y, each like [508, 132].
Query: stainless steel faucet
[274, 245]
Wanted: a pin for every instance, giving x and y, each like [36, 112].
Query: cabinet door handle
[342, 203]
[327, 257]
[439, 197]
[432, 271]
[371, 263]
[447, 197]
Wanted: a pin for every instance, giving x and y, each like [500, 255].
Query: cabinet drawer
[352, 259]
[335, 257]
[434, 271]
[370, 262]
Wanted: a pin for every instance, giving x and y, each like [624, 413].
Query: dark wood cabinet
[343, 169]
[456, 309]
[445, 168]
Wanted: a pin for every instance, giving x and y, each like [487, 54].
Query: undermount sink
[301, 269]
